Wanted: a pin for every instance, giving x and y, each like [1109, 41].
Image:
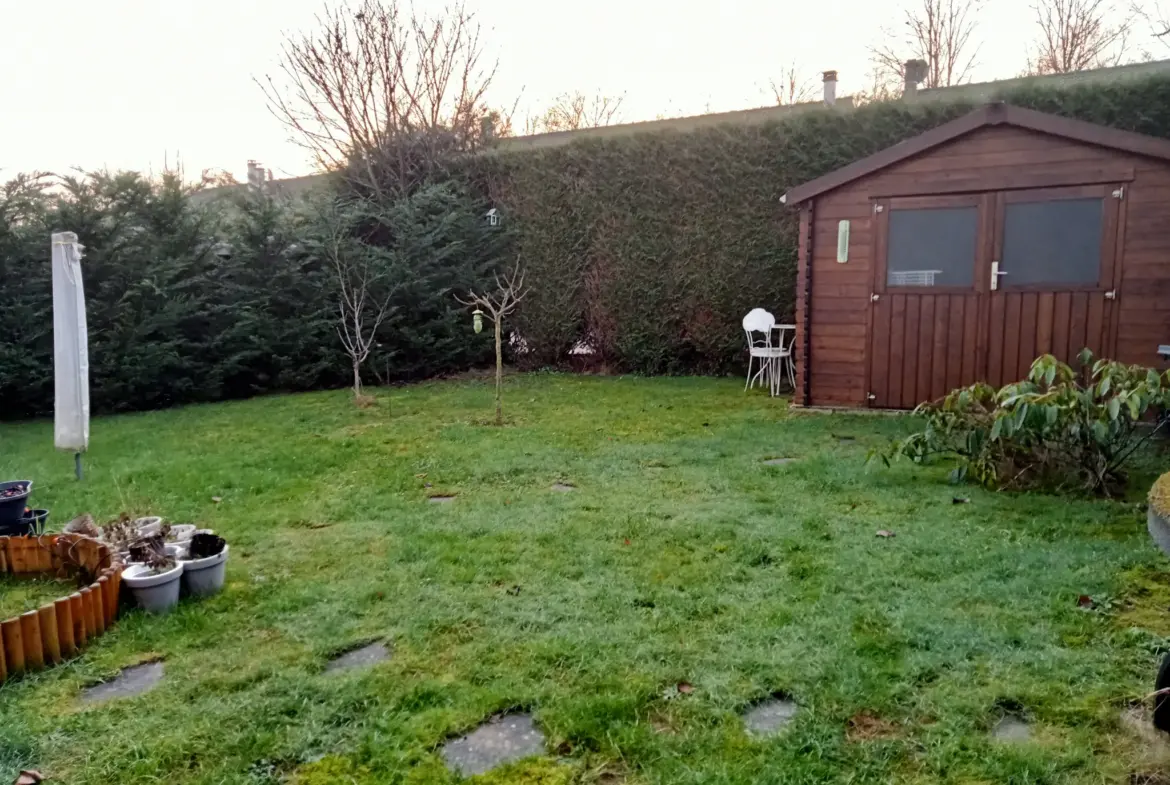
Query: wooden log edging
[58, 630]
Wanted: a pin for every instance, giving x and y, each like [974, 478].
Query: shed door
[931, 260]
[1055, 260]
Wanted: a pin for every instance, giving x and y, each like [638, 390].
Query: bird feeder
[477, 320]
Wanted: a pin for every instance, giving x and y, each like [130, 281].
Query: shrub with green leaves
[1058, 429]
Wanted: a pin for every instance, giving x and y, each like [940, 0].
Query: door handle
[995, 274]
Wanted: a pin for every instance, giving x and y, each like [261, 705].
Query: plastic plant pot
[204, 577]
[181, 532]
[36, 520]
[148, 526]
[12, 507]
[154, 593]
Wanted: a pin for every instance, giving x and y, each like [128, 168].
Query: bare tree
[790, 89]
[498, 304]
[1157, 16]
[374, 89]
[363, 289]
[1076, 35]
[938, 32]
[575, 110]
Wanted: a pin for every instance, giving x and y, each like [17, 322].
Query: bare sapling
[498, 304]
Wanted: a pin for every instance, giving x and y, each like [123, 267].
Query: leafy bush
[1055, 430]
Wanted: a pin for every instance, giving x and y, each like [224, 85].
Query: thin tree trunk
[499, 375]
[357, 380]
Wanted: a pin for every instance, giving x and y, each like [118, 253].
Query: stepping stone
[364, 657]
[563, 487]
[846, 440]
[440, 499]
[500, 740]
[770, 717]
[779, 461]
[1012, 729]
[132, 681]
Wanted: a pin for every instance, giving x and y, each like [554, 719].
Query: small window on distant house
[932, 247]
[1053, 242]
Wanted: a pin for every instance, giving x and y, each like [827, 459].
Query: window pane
[1055, 242]
[934, 247]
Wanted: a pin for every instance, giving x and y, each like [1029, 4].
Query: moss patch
[1146, 600]
[535, 771]
[1160, 495]
[332, 770]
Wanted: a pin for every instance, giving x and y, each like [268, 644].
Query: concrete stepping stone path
[563, 487]
[362, 657]
[440, 499]
[132, 681]
[779, 461]
[770, 717]
[500, 740]
[1011, 729]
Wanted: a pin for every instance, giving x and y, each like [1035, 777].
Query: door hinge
[873, 298]
[1119, 193]
[1111, 294]
[870, 397]
[877, 208]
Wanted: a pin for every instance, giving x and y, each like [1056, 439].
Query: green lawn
[680, 557]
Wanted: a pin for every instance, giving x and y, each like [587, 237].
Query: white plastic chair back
[758, 321]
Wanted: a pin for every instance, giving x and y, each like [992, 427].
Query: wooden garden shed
[966, 252]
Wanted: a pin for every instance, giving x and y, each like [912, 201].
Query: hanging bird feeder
[477, 320]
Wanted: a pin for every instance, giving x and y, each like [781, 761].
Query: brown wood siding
[1142, 321]
[990, 158]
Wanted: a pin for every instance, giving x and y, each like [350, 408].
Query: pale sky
[130, 84]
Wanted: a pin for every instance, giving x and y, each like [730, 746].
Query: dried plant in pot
[120, 534]
[153, 576]
[206, 564]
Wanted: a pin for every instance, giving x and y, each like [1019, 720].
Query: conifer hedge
[653, 246]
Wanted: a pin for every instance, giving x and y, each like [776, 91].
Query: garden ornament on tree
[477, 321]
[70, 349]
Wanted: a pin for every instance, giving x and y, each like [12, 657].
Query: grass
[18, 595]
[680, 557]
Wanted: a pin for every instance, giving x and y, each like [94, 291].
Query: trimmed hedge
[650, 247]
[653, 246]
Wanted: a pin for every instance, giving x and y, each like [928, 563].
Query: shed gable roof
[989, 115]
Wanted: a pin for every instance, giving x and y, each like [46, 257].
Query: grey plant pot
[154, 593]
[1159, 529]
[204, 577]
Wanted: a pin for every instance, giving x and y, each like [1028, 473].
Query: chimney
[830, 87]
[915, 73]
[258, 176]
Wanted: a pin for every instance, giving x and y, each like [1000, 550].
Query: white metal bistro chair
[758, 327]
[786, 340]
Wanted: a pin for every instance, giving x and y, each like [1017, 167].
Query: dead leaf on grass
[216, 499]
[29, 778]
[865, 726]
[686, 688]
[1084, 601]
